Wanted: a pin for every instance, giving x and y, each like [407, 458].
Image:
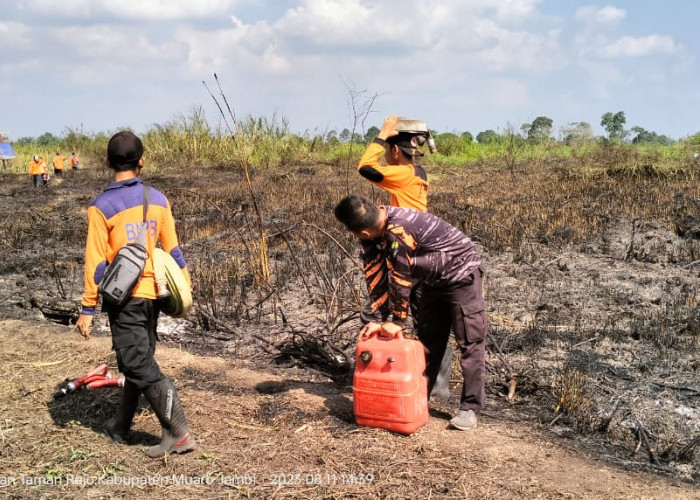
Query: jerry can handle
[386, 334]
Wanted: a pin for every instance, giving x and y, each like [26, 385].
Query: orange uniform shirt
[37, 167]
[407, 184]
[74, 161]
[59, 162]
[114, 219]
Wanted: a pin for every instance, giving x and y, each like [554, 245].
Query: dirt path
[263, 432]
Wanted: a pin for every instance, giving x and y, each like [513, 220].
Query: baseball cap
[36, 158]
[124, 148]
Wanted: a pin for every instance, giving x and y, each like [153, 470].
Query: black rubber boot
[441, 388]
[166, 404]
[118, 427]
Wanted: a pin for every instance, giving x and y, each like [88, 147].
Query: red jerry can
[389, 386]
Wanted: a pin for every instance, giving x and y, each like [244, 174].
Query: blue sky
[460, 65]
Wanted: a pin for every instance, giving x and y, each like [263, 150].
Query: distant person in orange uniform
[38, 171]
[115, 218]
[59, 162]
[74, 161]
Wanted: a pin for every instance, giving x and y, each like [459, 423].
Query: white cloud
[243, 46]
[445, 58]
[130, 9]
[520, 50]
[332, 21]
[112, 44]
[628, 46]
[404, 23]
[101, 54]
[605, 15]
[610, 15]
[169, 9]
[274, 61]
[508, 9]
[332, 33]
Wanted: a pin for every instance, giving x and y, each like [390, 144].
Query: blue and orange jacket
[114, 219]
[407, 184]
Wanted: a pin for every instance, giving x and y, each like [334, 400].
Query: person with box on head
[402, 176]
[409, 247]
[407, 182]
[129, 215]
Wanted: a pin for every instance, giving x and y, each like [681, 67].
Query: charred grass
[592, 283]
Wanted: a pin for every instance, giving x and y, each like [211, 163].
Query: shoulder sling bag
[124, 272]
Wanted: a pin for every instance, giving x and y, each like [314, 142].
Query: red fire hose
[99, 377]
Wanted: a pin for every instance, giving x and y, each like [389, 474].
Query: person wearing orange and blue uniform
[115, 218]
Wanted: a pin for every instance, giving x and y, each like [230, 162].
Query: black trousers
[134, 337]
[459, 308]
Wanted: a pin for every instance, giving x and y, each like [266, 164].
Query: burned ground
[592, 283]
